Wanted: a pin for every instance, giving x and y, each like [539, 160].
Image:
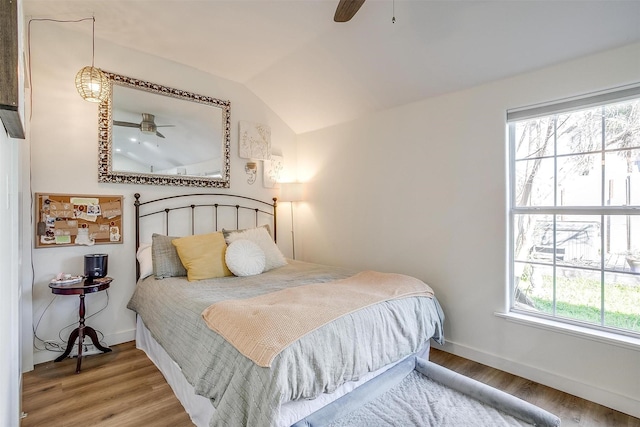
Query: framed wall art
[254, 141]
[272, 171]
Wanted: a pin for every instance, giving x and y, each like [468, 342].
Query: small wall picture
[255, 141]
[272, 171]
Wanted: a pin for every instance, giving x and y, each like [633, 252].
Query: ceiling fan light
[92, 84]
[147, 125]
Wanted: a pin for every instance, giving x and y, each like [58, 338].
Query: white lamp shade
[291, 192]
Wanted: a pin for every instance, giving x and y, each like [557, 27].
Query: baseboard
[41, 356]
[585, 391]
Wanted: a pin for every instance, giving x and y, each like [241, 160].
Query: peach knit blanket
[261, 327]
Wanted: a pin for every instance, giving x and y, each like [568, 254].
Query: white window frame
[616, 95]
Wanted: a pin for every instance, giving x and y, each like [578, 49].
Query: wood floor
[120, 388]
[123, 388]
[572, 410]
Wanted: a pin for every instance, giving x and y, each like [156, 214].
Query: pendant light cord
[29, 49]
[93, 38]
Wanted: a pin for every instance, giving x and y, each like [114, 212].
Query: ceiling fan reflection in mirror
[147, 125]
[347, 9]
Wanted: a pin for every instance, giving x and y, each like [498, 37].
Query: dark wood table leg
[70, 343]
[91, 333]
[81, 312]
[78, 334]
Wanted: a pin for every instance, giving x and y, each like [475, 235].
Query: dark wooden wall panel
[9, 83]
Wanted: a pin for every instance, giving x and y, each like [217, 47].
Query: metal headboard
[210, 200]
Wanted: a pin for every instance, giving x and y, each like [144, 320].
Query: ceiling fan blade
[346, 10]
[126, 124]
[165, 126]
[159, 134]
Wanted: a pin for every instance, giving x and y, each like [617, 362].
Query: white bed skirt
[200, 408]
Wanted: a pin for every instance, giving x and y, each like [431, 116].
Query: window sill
[573, 330]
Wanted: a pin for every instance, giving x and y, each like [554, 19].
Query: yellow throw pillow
[203, 255]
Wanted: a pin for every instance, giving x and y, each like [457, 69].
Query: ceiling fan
[347, 9]
[147, 125]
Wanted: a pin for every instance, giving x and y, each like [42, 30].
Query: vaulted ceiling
[315, 73]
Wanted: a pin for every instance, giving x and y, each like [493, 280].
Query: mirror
[153, 134]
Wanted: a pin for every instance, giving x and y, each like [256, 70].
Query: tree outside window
[575, 215]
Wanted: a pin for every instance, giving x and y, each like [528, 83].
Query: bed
[215, 381]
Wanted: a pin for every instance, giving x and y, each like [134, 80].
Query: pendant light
[91, 82]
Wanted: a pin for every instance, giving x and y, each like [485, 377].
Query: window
[575, 211]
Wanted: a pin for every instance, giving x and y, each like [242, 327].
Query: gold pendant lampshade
[91, 82]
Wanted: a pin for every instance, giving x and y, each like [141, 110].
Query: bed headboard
[201, 212]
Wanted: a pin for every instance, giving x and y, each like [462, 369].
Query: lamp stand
[293, 236]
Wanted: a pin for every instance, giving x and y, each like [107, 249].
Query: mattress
[342, 352]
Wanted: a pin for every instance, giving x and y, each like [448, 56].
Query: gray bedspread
[246, 394]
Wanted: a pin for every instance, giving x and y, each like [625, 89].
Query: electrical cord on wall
[48, 344]
[51, 345]
[60, 346]
[29, 50]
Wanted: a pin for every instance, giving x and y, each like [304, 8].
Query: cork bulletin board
[77, 220]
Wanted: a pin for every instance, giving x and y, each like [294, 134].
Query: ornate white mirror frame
[157, 135]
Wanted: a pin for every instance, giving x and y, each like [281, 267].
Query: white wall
[421, 189]
[64, 154]
[9, 280]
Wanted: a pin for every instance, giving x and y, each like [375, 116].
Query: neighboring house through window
[575, 210]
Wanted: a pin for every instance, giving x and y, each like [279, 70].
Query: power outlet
[87, 350]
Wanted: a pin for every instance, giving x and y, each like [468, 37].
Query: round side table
[81, 289]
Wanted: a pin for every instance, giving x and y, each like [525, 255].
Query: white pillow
[145, 260]
[244, 258]
[260, 236]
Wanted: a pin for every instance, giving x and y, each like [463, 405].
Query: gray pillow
[165, 259]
